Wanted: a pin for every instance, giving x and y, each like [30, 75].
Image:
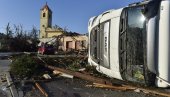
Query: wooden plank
[62, 74]
[150, 91]
[127, 87]
[154, 92]
[122, 88]
[47, 76]
[41, 89]
[80, 75]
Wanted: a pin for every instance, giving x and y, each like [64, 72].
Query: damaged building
[65, 41]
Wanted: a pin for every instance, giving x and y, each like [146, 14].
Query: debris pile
[72, 68]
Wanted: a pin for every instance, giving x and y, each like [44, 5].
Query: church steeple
[46, 7]
[45, 20]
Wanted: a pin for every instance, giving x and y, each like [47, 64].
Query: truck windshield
[132, 43]
[136, 36]
[136, 43]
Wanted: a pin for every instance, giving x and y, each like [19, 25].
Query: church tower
[45, 20]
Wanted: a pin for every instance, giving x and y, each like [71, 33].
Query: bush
[25, 67]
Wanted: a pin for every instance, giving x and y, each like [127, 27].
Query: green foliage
[25, 67]
[139, 75]
[71, 63]
[75, 65]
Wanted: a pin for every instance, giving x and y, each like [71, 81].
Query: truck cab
[133, 43]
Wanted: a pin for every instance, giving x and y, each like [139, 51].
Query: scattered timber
[80, 75]
[47, 76]
[82, 69]
[122, 88]
[128, 87]
[41, 89]
[55, 72]
[148, 91]
[102, 83]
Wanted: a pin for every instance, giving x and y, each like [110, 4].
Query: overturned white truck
[133, 43]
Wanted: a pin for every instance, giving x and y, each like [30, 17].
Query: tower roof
[46, 7]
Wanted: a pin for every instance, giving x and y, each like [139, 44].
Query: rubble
[82, 74]
[47, 76]
[82, 69]
[122, 88]
[128, 87]
[2, 78]
[41, 89]
[62, 74]
[102, 83]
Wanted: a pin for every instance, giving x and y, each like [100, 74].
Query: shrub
[25, 67]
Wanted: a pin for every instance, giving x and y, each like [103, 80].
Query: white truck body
[133, 43]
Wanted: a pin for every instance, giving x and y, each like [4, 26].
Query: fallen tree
[25, 66]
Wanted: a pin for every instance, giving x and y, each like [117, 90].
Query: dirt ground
[2, 94]
[63, 87]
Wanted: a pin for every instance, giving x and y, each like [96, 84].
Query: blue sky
[73, 14]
